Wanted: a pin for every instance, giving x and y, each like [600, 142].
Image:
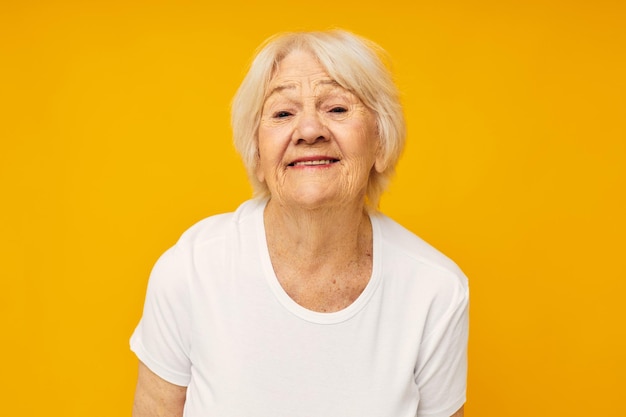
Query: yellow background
[114, 138]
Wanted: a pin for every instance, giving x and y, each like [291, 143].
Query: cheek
[263, 142]
[365, 146]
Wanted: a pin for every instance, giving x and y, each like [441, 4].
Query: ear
[258, 172]
[380, 164]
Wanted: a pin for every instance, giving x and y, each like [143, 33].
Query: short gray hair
[356, 64]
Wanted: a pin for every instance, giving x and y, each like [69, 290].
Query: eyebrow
[291, 86]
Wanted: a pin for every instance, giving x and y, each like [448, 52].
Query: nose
[310, 128]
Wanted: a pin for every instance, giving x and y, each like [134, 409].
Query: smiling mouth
[313, 163]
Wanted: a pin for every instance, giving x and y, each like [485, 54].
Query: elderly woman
[305, 301]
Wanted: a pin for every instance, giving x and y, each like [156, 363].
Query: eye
[281, 114]
[338, 109]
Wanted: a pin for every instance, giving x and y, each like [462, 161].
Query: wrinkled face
[317, 141]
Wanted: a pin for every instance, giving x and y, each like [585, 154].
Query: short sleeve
[161, 340]
[441, 372]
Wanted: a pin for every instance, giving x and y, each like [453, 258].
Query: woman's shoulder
[402, 242]
[222, 225]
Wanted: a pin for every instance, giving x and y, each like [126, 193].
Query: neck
[322, 258]
[317, 235]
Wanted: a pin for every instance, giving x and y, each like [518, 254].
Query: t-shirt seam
[453, 407]
[459, 301]
[421, 260]
[163, 371]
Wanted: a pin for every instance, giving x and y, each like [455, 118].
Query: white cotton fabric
[217, 321]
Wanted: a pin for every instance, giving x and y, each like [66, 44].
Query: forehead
[300, 69]
[299, 63]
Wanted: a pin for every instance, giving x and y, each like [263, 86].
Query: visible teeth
[320, 162]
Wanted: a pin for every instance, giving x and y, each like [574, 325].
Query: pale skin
[155, 397]
[317, 147]
[318, 144]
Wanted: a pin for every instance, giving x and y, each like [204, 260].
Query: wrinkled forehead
[298, 64]
[319, 87]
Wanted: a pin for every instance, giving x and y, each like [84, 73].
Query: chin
[305, 197]
[311, 202]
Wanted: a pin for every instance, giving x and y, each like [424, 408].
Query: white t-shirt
[217, 321]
